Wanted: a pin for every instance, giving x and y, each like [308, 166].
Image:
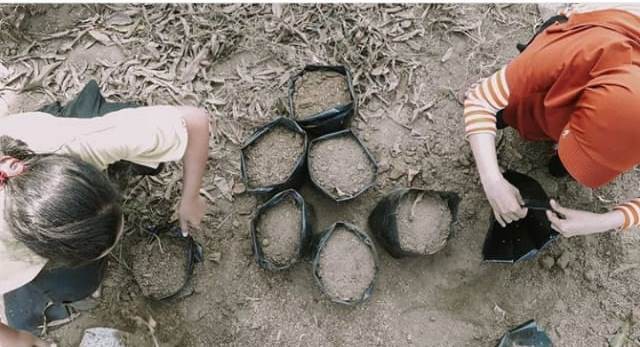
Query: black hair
[61, 207]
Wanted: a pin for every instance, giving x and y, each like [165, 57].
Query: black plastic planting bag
[384, 225]
[297, 175]
[527, 334]
[331, 119]
[306, 232]
[372, 161]
[322, 240]
[193, 254]
[522, 239]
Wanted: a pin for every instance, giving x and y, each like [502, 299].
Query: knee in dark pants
[45, 297]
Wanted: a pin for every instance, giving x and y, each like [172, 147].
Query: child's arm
[195, 158]
[14, 338]
[482, 102]
[148, 136]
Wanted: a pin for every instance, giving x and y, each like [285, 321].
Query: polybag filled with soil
[321, 98]
[345, 264]
[273, 157]
[281, 231]
[414, 222]
[162, 265]
[341, 166]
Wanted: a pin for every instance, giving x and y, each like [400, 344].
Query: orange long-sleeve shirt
[578, 84]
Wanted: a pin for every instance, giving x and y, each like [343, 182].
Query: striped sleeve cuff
[631, 212]
[483, 101]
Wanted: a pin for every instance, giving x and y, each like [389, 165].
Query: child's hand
[569, 222]
[191, 212]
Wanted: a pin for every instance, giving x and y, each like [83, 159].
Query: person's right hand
[505, 200]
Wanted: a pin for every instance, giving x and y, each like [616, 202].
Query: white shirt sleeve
[145, 136]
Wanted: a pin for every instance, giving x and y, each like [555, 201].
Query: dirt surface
[411, 65]
[159, 268]
[423, 223]
[278, 232]
[346, 267]
[340, 166]
[271, 159]
[317, 91]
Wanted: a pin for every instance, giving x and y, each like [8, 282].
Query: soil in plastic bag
[281, 232]
[414, 222]
[317, 91]
[272, 158]
[346, 266]
[423, 223]
[341, 167]
[160, 267]
[278, 231]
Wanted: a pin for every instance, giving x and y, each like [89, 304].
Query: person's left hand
[570, 222]
[191, 212]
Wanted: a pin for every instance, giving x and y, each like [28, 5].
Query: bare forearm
[484, 151]
[13, 338]
[195, 158]
[8, 336]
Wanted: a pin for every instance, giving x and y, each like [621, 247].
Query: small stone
[239, 188]
[590, 275]
[236, 224]
[247, 250]
[432, 318]
[564, 260]
[547, 262]
[266, 243]
[396, 174]
[215, 257]
[383, 166]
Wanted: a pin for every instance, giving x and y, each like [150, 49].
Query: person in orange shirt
[578, 84]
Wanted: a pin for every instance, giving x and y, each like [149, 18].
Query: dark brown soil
[278, 232]
[272, 158]
[423, 223]
[317, 91]
[347, 266]
[159, 272]
[341, 166]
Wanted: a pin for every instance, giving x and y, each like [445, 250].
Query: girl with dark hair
[60, 215]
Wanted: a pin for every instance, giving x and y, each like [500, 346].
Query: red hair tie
[10, 167]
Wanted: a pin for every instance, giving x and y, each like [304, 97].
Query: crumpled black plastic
[527, 334]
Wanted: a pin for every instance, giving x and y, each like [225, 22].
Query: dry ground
[411, 65]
